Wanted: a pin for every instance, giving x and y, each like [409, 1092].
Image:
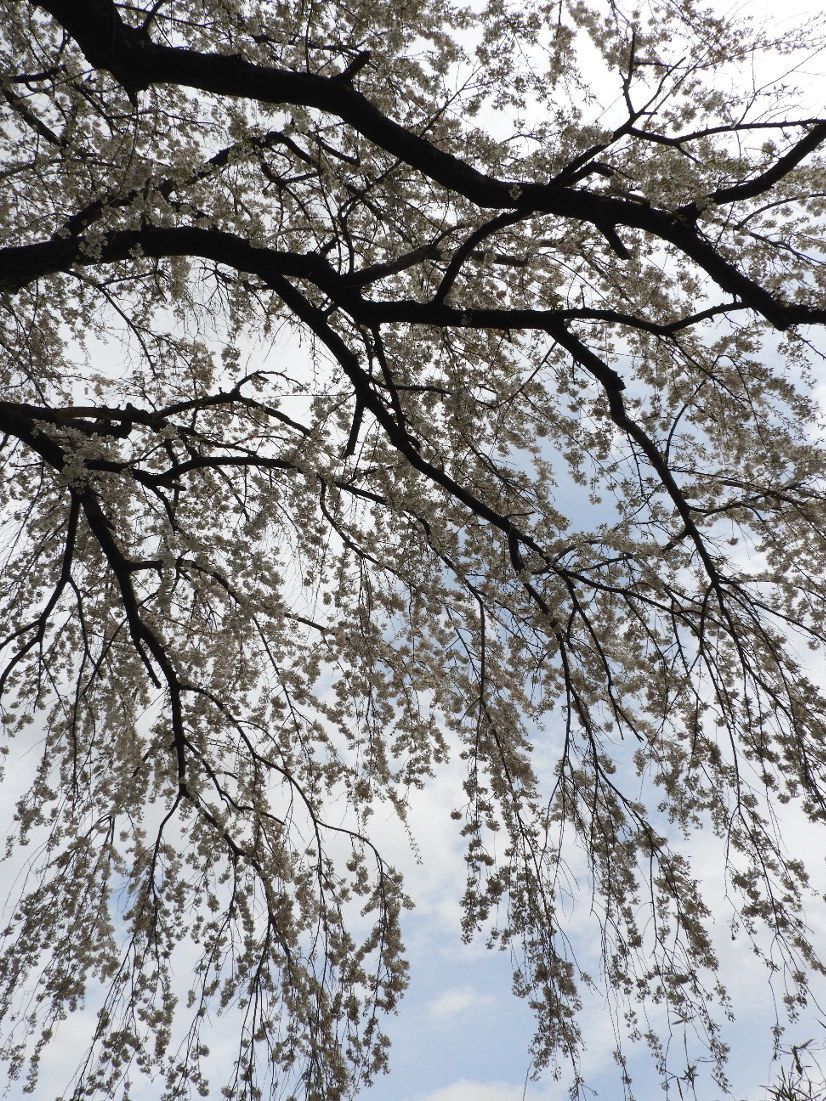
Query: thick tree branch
[23, 264]
[749, 189]
[137, 62]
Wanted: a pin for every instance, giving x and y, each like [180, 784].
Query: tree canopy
[390, 388]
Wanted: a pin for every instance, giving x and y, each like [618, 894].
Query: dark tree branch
[750, 189]
[137, 62]
[23, 264]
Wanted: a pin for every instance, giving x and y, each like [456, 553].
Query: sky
[460, 1035]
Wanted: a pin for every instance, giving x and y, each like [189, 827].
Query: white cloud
[457, 1001]
[466, 1090]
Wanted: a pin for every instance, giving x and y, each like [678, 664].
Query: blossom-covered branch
[349, 438]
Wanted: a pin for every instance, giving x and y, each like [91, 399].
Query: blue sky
[460, 1035]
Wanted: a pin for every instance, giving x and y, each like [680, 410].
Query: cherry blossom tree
[390, 388]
